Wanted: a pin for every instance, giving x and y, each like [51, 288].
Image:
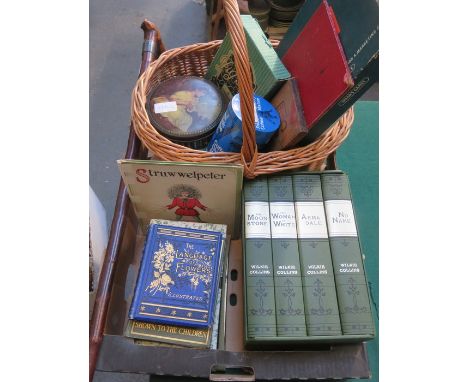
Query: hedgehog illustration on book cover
[186, 199]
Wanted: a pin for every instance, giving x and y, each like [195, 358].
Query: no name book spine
[350, 278]
[289, 301]
[258, 261]
[318, 282]
[179, 277]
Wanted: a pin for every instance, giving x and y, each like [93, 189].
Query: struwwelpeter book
[207, 193]
[179, 277]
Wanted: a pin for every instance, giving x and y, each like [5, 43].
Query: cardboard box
[121, 354]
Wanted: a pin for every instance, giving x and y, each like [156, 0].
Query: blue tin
[228, 135]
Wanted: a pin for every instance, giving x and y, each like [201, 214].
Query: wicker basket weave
[194, 60]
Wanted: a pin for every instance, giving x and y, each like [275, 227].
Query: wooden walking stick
[152, 48]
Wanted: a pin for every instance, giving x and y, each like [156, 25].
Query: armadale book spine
[318, 282]
[351, 284]
[289, 302]
[258, 261]
[179, 276]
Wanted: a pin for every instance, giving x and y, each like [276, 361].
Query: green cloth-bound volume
[318, 282]
[290, 320]
[351, 284]
[258, 262]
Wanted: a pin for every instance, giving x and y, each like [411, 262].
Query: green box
[306, 342]
[267, 69]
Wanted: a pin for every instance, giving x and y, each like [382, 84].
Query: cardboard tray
[121, 354]
[111, 351]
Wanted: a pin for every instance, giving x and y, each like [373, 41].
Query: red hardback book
[317, 60]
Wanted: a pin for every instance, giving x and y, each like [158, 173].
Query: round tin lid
[185, 107]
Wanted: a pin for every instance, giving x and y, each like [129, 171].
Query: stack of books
[332, 49]
[303, 265]
[179, 291]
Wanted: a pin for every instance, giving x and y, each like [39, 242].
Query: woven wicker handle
[249, 151]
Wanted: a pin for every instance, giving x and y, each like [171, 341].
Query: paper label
[257, 220]
[165, 107]
[340, 218]
[237, 109]
[311, 221]
[283, 220]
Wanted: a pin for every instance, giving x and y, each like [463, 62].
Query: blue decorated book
[179, 276]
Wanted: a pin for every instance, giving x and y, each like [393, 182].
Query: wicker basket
[194, 60]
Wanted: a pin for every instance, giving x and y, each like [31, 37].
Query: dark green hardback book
[350, 278]
[318, 282]
[258, 262]
[290, 320]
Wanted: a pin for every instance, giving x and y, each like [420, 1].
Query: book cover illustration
[179, 277]
[208, 193]
[218, 320]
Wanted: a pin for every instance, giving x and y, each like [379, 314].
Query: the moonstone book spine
[318, 282]
[350, 279]
[260, 294]
[290, 320]
[179, 276]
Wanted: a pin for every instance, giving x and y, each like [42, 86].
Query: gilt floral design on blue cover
[178, 278]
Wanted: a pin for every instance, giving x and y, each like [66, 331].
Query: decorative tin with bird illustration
[179, 276]
[186, 109]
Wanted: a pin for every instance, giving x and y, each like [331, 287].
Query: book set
[305, 279]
